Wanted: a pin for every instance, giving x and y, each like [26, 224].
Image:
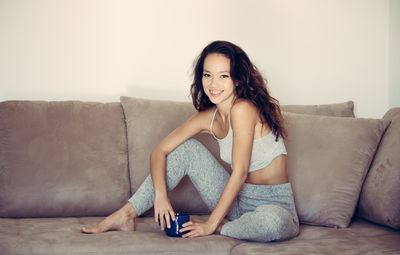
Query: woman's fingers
[186, 224]
[172, 213]
[163, 212]
[196, 229]
[167, 218]
[164, 219]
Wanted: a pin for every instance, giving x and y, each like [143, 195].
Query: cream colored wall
[311, 51]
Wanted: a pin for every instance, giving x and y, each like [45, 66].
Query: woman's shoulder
[204, 117]
[207, 113]
[243, 107]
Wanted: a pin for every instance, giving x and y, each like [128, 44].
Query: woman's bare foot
[218, 230]
[121, 220]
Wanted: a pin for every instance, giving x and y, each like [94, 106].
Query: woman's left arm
[243, 120]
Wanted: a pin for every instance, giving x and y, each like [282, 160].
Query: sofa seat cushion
[63, 236]
[361, 237]
[62, 159]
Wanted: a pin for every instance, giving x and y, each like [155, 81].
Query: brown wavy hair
[250, 85]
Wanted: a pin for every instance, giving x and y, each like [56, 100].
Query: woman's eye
[224, 76]
[206, 75]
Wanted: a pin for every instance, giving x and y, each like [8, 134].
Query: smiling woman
[256, 201]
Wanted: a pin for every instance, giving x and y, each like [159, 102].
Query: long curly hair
[250, 85]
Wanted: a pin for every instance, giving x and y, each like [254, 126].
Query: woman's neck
[224, 108]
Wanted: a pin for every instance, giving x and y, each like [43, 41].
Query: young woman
[256, 201]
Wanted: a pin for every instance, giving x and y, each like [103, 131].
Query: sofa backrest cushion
[149, 121]
[345, 109]
[62, 159]
[328, 158]
[380, 196]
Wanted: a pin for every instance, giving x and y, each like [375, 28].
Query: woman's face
[217, 81]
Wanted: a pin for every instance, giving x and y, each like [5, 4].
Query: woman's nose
[212, 82]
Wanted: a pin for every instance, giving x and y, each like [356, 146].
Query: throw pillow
[328, 158]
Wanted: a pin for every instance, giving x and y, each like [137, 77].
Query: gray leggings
[259, 213]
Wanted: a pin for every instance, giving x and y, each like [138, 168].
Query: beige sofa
[64, 165]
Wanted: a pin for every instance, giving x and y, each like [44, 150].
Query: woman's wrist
[213, 224]
[160, 193]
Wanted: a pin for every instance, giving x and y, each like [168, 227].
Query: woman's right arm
[162, 205]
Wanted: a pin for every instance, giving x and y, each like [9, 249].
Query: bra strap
[229, 113]
[212, 122]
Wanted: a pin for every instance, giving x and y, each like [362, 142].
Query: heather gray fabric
[267, 213]
[328, 159]
[260, 213]
[345, 109]
[62, 159]
[380, 196]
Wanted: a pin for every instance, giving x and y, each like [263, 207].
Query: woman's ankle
[129, 210]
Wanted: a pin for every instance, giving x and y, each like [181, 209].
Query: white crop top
[265, 149]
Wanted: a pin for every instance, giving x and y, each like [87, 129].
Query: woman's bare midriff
[273, 174]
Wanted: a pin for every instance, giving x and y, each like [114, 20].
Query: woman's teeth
[216, 92]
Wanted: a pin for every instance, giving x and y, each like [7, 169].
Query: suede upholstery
[360, 238]
[60, 236]
[328, 158]
[380, 196]
[62, 159]
[70, 159]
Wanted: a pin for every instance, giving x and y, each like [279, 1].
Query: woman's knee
[190, 145]
[277, 221]
[185, 154]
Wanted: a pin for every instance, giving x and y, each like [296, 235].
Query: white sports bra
[265, 149]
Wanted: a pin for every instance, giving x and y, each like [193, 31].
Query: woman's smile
[216, 93]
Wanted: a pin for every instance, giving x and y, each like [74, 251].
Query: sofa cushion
[148, 122]
[361, 237]
[62, 159]
[62, 236]
[328, 158]
[380, 196]
[345, 109]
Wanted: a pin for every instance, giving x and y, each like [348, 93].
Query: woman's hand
[197, 228]
[162, 210]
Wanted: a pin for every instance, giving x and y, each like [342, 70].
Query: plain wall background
[311, 51]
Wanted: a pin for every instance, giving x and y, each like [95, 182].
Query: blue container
[176, 225]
